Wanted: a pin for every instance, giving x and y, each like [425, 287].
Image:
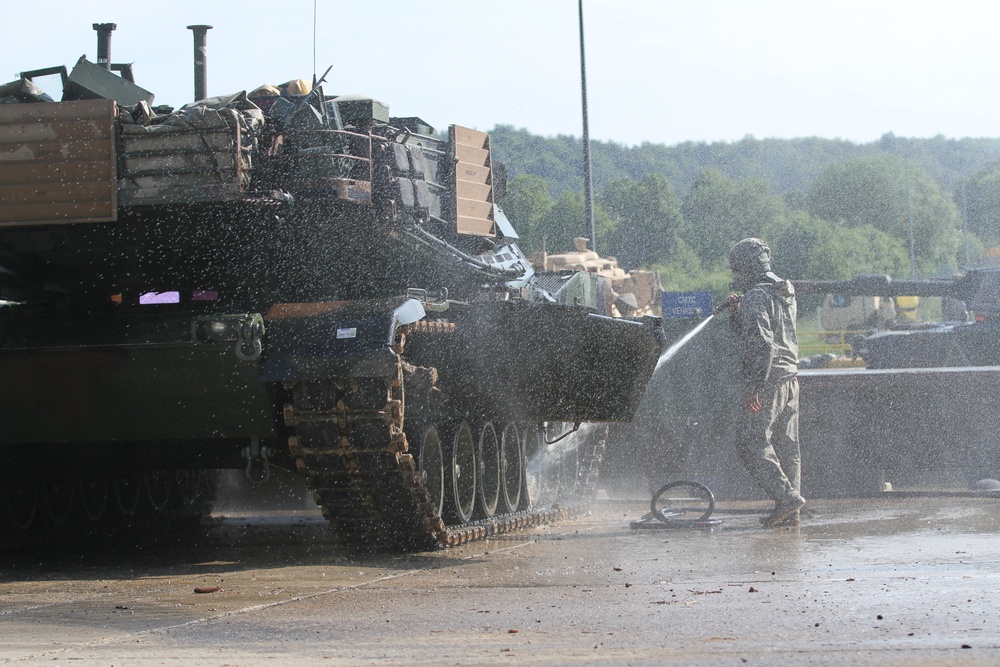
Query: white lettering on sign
[686, 304]
[352, 332]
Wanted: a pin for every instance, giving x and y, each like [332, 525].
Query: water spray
[673, 349]
[561, 467]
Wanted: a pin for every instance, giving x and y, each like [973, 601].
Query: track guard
[533, 362]
[307, 341]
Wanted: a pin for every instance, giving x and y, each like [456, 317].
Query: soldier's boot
[785, 509]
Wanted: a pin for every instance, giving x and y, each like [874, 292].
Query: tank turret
[968, 335]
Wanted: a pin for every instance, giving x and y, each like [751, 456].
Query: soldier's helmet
[750, 257]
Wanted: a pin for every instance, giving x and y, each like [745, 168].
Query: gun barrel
[880, 286]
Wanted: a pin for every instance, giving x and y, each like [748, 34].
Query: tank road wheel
[488, 453]
[94, 494]
[511, 468]
[58, 493]
[431, 467]
[127, 492]
[159, 487]
[461, 477]
[21, 500]
[190, 487]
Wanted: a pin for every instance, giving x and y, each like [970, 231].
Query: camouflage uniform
[768, 440]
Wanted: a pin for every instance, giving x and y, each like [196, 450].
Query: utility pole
[965, 225]
[588, 186]
[913, 247]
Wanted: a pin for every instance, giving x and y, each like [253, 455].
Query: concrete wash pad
[887, 581]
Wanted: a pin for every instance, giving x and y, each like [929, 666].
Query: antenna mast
[588, 186]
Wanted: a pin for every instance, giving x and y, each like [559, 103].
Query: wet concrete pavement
[889, 581]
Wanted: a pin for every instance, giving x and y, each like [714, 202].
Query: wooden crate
[57, 163]
[473, 206]
[181, 165]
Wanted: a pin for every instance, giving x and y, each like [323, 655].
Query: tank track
[347, 437]
[176, 500]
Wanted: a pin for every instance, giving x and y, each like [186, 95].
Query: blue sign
[685, 304]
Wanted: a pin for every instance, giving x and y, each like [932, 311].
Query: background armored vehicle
[853, 313]
[967, 336]
[635, 292]
[279, 278]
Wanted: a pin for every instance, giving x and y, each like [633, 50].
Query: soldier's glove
[732, 304]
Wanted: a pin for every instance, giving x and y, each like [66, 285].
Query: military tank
[279, 278]
[968, 335]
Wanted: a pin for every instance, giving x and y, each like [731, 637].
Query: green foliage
[567, 220]
[806, 247]
[647, 218]
[786, 164]
[557, 160]
[980, 197]
[683, 272]
[974, 252]
[841, 210]
[718, 212]
[895, 197]
[546, 222]
[527, 203]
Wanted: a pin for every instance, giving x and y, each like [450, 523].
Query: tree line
[830, 209]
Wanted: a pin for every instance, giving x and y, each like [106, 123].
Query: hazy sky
[659, 71]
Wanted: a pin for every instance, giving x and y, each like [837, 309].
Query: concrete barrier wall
[926, 429]
[913, 428]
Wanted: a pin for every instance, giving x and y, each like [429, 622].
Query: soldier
[767, 437]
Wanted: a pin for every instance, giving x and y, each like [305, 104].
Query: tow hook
[248, 336]
[244, 331]
[258, 470]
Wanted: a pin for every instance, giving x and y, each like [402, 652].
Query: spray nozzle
[731, 303]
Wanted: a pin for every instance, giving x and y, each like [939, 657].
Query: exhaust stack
[200, 61]
[104, 44]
